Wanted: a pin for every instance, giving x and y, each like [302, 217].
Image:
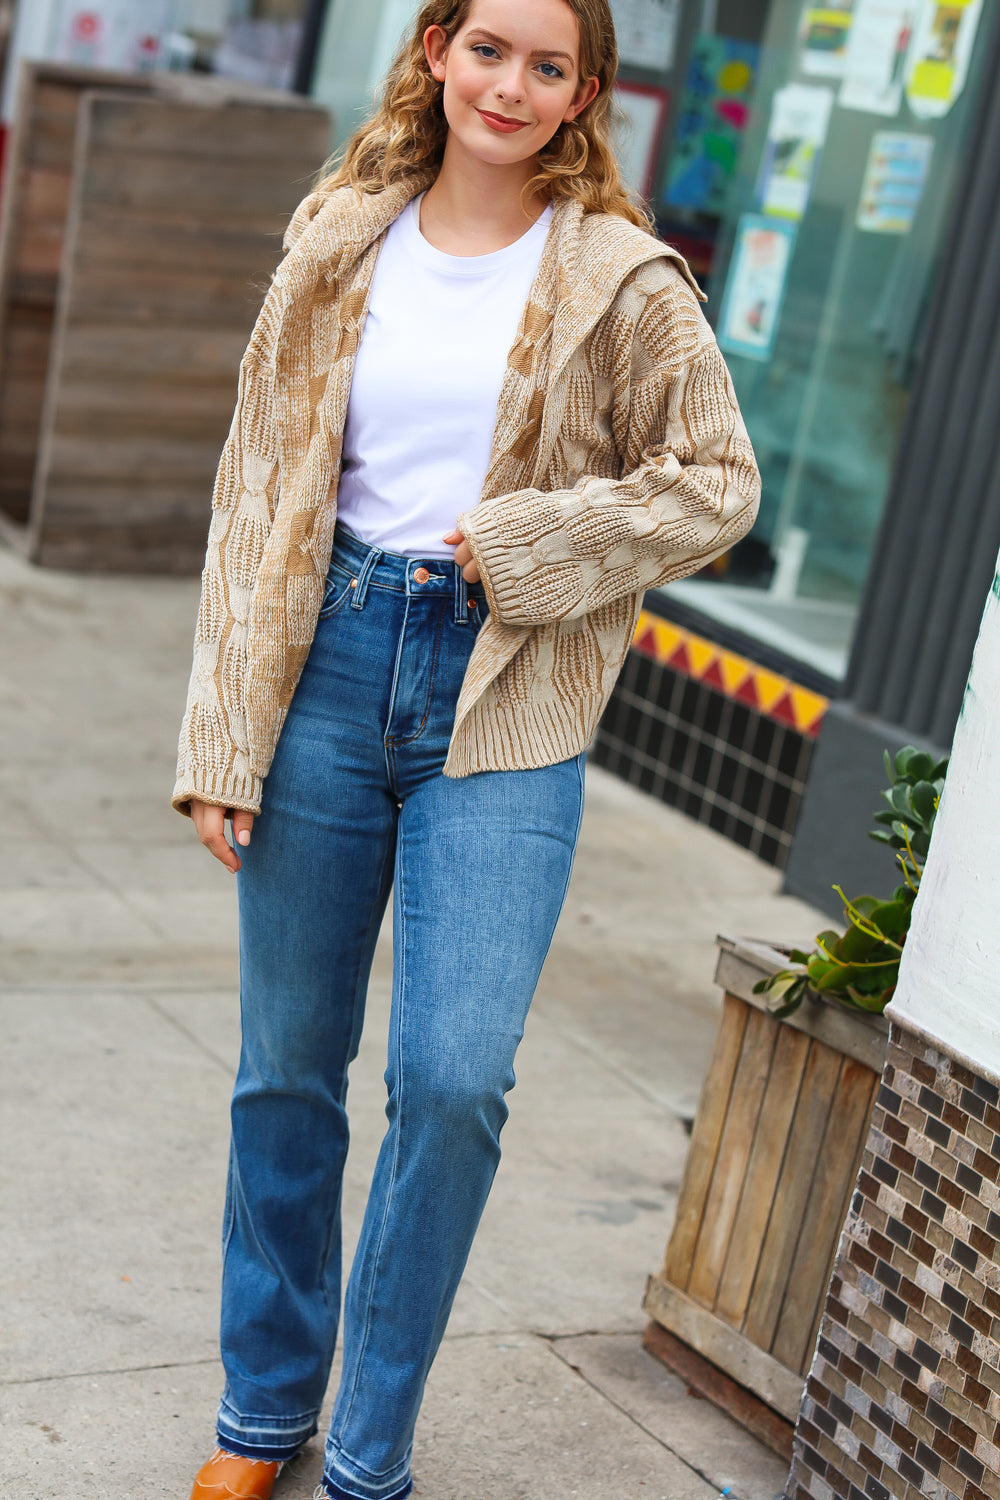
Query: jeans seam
[387, 1205]
[393, 740]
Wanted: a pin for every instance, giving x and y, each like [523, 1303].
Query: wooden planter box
[140, 222]
[774, 1155]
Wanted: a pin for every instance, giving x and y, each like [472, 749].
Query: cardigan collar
[594, 253]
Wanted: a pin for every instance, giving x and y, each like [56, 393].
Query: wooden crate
[140, 227]
[774, 1154]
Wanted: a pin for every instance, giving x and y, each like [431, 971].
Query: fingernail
[243, 837]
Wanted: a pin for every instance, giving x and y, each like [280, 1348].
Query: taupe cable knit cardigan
[620, 460]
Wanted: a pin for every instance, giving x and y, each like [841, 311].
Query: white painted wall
[949, 977]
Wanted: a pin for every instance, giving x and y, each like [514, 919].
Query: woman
[480, 413]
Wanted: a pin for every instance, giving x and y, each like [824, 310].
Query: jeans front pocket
[340, 585]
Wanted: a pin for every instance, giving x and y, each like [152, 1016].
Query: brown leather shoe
[230, 1476]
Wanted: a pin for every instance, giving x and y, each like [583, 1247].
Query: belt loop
[461, 597]
[370, 564]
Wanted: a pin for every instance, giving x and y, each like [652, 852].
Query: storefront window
[822, 264]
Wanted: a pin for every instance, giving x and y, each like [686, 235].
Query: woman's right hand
[210, 823]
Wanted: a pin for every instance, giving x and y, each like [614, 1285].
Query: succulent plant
[860, 966]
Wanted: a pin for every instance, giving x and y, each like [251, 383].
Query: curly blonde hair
[406, 135]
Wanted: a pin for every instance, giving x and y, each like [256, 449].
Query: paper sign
[875, 61]
[893, 181]
[800, 115]
[755, 286]
[123, 34]
[938, 63]
[646, 32]
[825, 33]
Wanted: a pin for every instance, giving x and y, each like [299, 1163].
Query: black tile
[741, 726]
[969, 1465]
[752, 794]
[762, 745]
[772, 851]
[639, 676]
[824, 1421]
[910, 1471]
[933, 1103]
[965, 1255]
[813, 1462]
[887, 1275]
[961, 1331]
[889, 1175]
[954, 1299]
[928, 1458]
[889, 1100]
[869, 1359]
[692, 802]
[932, 1205]
[742, 833]
[717, 818]
[926, 1175]
[655, 735]
[725, 780]
[875, 1490]
[778, 806]
[678, 749]
[988, 1091]
[690, 694]
[937, 1414]
[906, 1366]
[968, 1179]
[927, 1356]
[646, 778]
[711, 717]
[898, 1232]
[937, 1131]
[789, 751]
[880, 1418]
[829, 1351]
[895, 1306]
[973, 1104]
[841, 1410]
[702, 764]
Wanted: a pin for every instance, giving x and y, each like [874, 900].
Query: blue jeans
[355, 805]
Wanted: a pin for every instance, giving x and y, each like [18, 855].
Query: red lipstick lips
[500, 122]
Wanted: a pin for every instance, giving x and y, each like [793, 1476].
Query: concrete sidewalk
[119, 1032]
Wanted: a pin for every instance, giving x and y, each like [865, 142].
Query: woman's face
[511, 76]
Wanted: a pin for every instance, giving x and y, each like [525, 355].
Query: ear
[586, 93]
[436, 51]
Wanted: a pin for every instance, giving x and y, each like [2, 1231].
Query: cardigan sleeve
[690, 489]
[213, 762]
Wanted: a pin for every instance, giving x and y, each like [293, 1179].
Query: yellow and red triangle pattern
[778, 697]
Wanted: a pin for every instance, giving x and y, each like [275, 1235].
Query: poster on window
[711, 120]
[755, 287]
[938, 64]
[800, 117]
[646, 31]
[825, 34]
[117, 34]
[894, 181]
[875, 61]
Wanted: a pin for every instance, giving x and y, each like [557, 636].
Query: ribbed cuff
[242, 793]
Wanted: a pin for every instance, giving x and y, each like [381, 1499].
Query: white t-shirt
[427, 378]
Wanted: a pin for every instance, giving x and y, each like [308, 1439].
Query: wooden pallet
[774, 1154]
[140, 224]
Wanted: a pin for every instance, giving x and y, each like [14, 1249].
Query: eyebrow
[491, 36]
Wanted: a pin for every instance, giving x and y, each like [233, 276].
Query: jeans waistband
[417, 577]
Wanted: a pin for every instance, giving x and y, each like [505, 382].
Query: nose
[511, 87]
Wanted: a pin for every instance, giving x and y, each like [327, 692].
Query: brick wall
[903, 1397]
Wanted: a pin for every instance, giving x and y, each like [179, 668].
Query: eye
[553, 71]
[485, 49]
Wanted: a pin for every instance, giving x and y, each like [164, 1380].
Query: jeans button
[421, 575]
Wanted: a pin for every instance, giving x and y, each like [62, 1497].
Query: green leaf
[924, 800]
[892, 919]
[920, 766]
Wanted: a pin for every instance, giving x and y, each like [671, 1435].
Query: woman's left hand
[463, 556]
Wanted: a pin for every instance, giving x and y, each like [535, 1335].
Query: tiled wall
[711, 733]
[903, 1398]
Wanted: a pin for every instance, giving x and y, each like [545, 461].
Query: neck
[475, 205]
